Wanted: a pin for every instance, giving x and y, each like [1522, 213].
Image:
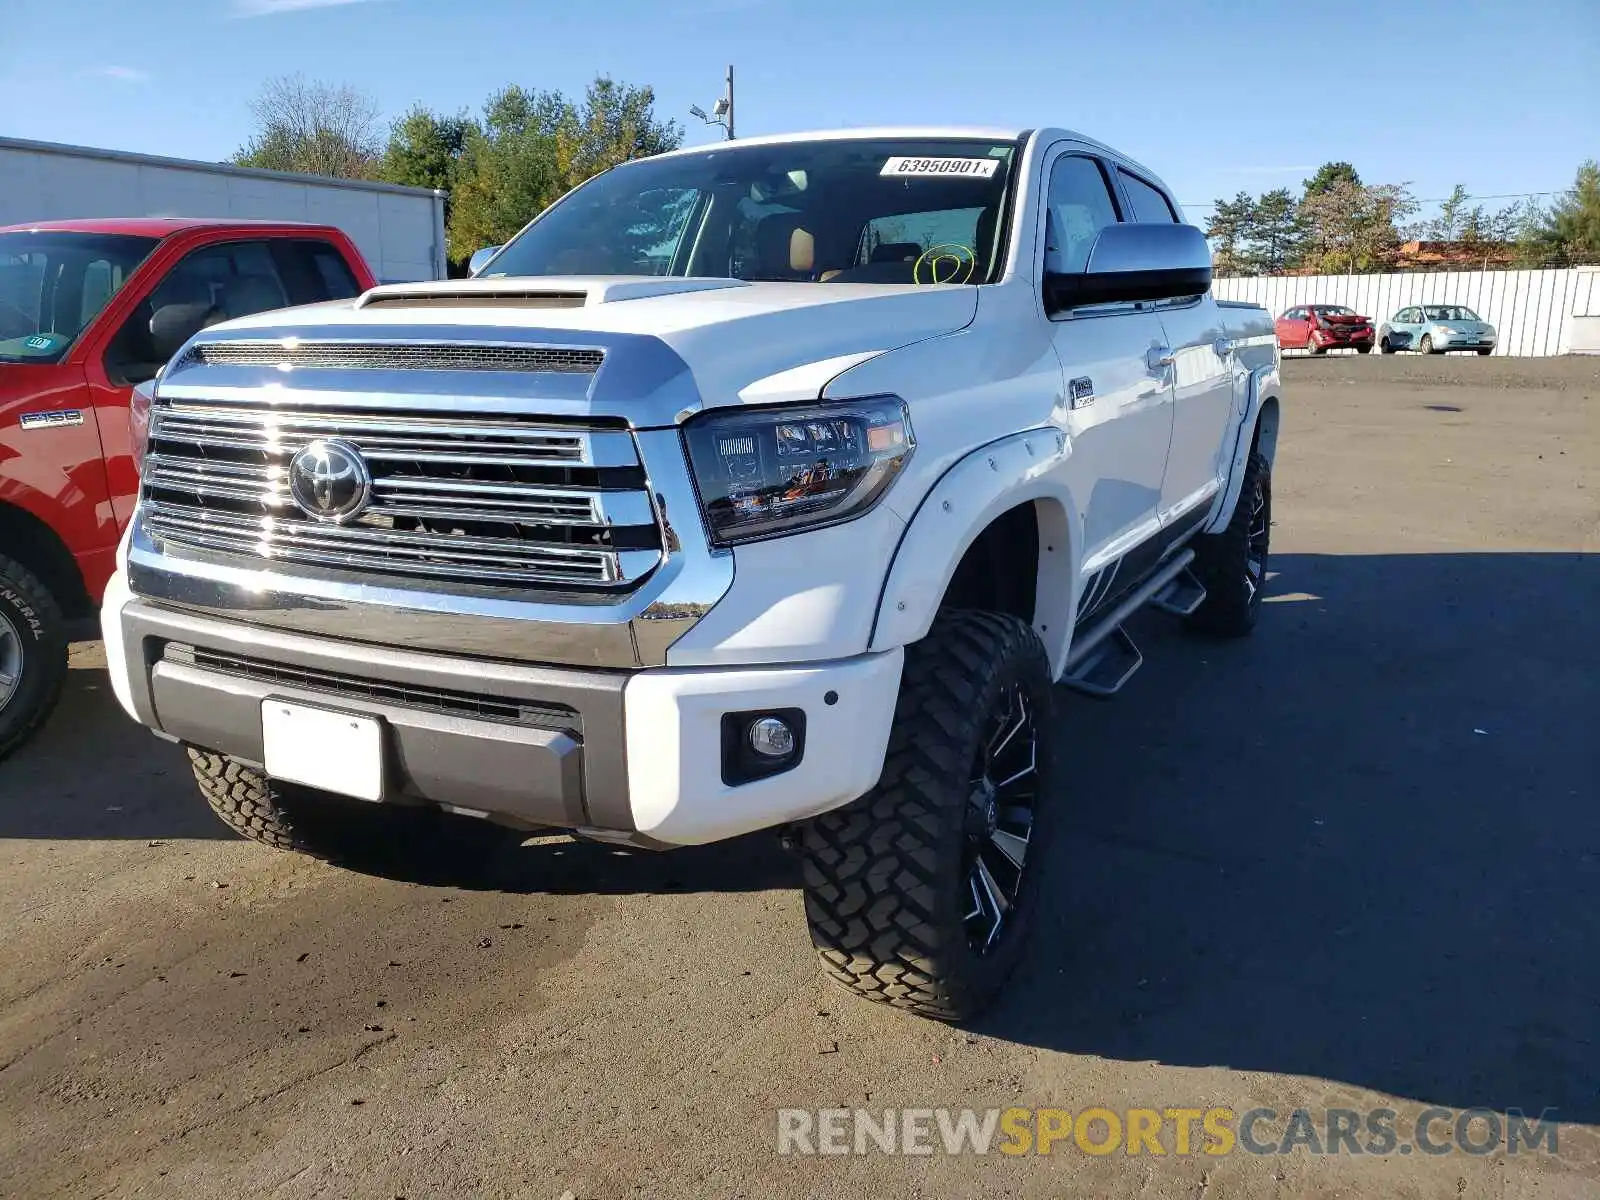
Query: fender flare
[1261, 410]
[1016, 470]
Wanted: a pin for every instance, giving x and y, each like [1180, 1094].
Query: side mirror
[480, 259]
[1135, 262]
[174, 324]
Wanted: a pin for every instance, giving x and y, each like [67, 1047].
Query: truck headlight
[766, 472]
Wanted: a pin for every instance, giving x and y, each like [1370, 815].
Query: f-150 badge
[1080, 392]
[52, 420]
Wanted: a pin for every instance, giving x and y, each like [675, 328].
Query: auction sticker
[975, 168]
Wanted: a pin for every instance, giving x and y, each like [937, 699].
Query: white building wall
[397, 229]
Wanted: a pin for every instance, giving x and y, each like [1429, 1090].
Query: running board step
[1103, 670]
[1182, 596]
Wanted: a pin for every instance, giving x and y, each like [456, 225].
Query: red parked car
[89, 309]
[1318, 328]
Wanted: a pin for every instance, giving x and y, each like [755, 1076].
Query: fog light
[761, 743]
[771, 738]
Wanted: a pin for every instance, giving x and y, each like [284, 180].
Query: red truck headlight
[766, 472]
[139, 421]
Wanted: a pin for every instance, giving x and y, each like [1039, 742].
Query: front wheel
[1386, 346]
[33, 654]
[1425, 346]
[1312, 347]
[1485, 350]
[919, 894]
[1363, 349]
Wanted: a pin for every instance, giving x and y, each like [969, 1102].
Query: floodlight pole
[721, 112]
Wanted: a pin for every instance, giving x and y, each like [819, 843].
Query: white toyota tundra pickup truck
[771, 485]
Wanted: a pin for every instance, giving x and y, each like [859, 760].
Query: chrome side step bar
[1103, 656]
[1182, 596]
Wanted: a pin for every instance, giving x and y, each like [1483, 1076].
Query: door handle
[1157, 359]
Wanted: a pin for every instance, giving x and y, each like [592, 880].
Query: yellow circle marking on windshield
[947, 263]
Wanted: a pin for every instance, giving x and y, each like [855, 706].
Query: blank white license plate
[335, 751]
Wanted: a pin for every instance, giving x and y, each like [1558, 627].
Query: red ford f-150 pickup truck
[88, 310]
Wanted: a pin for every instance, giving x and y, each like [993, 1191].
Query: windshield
[1333, 310]
[53, 284]
[807, 212]
[1450, 312]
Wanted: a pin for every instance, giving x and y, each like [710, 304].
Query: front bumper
[633, 755]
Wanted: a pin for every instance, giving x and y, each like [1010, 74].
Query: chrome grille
[480, 500]
[406, 356]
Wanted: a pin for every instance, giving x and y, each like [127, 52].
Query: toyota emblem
[329, 480]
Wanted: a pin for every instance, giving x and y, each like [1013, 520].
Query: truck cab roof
[158, 227]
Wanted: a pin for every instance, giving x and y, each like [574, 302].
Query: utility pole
[721, 111]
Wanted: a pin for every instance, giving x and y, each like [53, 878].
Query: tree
[429, 150]
[533, 147]
[1330, 174]
[426, 149]
[314, 128]
[1228, 228]
[1452, 218]
[1355, 228]
[1570, 231]
[509, 170]
[1276, 233]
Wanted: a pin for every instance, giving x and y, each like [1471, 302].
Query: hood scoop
[544, 292]
[476, 299]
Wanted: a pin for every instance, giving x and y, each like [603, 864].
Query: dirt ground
[1351, 862]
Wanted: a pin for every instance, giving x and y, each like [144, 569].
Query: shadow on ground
[1362, 845]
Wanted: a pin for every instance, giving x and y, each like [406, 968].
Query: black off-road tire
[884, 876]
[1222, 561]
[264, 810]
[395, 840]
[41, 637]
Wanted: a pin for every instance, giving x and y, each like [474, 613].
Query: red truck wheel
[33, 654]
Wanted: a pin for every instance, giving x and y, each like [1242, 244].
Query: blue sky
[1215, 95]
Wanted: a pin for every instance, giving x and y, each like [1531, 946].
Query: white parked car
[770, 485]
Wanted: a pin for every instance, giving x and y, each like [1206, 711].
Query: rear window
[1150, 207]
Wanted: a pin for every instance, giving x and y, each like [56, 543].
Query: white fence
[1532, 311]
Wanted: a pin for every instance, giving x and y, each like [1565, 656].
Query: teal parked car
[1436, 329]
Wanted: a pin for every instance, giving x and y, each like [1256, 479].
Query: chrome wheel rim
[999, 819]
[1257, 542]
[10, 660]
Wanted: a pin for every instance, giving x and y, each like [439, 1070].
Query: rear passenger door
[1118, 395]
[1202, 375]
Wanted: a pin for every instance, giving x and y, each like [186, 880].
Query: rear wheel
[1233, 564]
[33, 654]
[920, 893]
